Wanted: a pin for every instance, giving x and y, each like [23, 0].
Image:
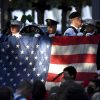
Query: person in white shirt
[74, 28]
[15, 28]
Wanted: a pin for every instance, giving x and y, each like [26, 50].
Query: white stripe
[74, 49]
[49, 85]
[80, 67]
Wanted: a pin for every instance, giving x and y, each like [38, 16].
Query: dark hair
[25, 84]
[72, 91]
[71, 70]
[39, 90]
[6, 93]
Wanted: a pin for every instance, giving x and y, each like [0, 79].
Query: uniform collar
[74, 26]
[16, 35]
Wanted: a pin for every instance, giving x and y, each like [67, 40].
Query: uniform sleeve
[69, 32]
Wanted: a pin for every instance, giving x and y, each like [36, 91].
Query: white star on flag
[10, 63]
[18, 74]
[8, 45]
[30, 63]
[14, 84]
[17, 46]
[3, 50]
[12, 51]
[11, 79]
[34, 69]
[24, 70]
[20, 63]
[8, 74]
[42, 80]
[37, 46]
[44, 69]
[27, 47]
[5, 68]
[4, 83]
[1, 78]
[14, 69]
[32, 52]
[46, 57]
[26, 58]
[42, 52]
[22, 52]
[7, 57]
[38, 74]
[1, 61]
[36, 57]
[40, 63]
[28, 74]
[16, 57]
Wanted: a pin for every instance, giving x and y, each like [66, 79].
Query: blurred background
[43, 9]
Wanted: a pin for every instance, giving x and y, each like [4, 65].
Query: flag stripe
[69, 59]
[79, 52]
[80, 76]
[75, 40]
[80, 67]
[74, 49]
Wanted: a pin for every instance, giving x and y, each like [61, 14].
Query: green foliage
[28, 17]
[23, 19]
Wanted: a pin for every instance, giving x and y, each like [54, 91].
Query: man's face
[52, 29]
[14, 29]
[67, 75]
[77, 21]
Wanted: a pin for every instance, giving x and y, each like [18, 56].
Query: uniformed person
[90, 27]
[73, 29]
[15, 28]
[51, 27]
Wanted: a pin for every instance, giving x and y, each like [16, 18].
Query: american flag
[79, 52]
[40, 58]
[24, 58]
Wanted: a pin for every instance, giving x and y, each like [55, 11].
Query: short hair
[72, 91]
[71, 70]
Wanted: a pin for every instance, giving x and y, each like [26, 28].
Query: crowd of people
[68, 89]
[77, 27]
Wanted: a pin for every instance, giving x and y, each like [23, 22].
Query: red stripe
[51, 76]
[81, 76]
[69, 59]
[75, 40]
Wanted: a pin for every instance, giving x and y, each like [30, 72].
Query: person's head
[90, 28]
[72, 91]
[51, 26]
[93, 86]
[6, 93]
[15, 26]
[39, 90]
[69, 73]
[24, 88]
[75, 19]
